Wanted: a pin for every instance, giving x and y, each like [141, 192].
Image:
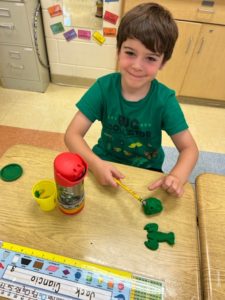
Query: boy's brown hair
[152, 25]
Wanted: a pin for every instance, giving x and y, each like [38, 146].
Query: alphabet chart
[27, 274]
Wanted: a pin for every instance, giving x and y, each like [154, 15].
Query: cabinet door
[206, 73]
[175, 69]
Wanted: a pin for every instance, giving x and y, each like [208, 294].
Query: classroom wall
[78, 62]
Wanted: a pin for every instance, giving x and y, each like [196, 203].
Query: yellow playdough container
[45, 194]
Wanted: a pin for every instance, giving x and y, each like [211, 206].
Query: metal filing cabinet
[23, 57]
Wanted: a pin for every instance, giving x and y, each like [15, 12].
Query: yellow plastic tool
[129, 190]
[150, 205]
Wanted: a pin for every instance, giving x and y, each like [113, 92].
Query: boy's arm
[74, 140]
[188, 155]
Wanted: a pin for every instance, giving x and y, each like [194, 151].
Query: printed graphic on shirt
[129, 140]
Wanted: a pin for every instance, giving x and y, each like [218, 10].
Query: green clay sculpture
[152, 206]
[155, 237]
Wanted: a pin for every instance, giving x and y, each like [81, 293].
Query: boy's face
[138, 65]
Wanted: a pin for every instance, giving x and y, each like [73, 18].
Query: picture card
[55, 10]
[84, 34]
[109, 32]
[70, 35]
[57, 27]
[98, 37]
[110, 17]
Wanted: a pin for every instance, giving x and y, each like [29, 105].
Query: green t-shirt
[132, 131]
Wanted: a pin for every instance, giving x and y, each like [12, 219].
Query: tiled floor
[51, 112]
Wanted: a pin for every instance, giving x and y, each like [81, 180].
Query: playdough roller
[150, 205]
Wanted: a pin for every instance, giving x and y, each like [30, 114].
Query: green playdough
[155, 237]
[152, 206]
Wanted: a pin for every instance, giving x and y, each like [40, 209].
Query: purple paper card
[70, 35]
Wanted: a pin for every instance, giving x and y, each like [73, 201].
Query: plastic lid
[70, 166]
[11, 172]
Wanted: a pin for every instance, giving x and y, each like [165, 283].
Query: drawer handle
[207, 11]
[21, 67]
[7, 26]
[4, 12]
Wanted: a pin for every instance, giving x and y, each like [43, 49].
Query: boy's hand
[170, 183]
[105, 173]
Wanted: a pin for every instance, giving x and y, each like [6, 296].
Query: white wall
[78, 61]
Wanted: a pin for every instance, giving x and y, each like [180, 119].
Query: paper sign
[57, 27]
[70, 35]
[111, 0]
[84, 34]
[110, 17]
[98, 37]
[109, 31]
[55, 10]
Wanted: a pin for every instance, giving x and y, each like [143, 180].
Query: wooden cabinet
[197, 67]
[189, 10]
[175, 69]
[206, 72]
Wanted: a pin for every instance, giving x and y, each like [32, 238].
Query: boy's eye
[130, 53]
[151, 58]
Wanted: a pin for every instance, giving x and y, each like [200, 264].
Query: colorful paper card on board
[84, 34]
[110, 17]
[98, 37]
[111, 0]
[55, 10]
[57, 27]
[70, 35]
[109, 32]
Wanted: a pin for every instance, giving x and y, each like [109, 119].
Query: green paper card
[57, 27]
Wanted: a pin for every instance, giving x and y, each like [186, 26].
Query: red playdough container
[70, 170]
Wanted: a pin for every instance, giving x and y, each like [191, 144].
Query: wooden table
[210, 189]
[109, 230]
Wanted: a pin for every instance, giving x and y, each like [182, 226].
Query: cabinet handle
[207, 11]
[188, 45]
[21, 67]
[201, 45]
[7, 26]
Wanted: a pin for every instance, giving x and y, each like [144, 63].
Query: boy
[134, 107]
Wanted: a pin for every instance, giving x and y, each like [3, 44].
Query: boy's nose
[137, 64]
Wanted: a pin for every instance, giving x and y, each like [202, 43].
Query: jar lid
[69, 168]
[11, 172]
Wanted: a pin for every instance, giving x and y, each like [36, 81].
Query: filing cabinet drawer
[14, 24]
[18, 62]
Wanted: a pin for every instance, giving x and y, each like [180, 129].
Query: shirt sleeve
[173, 120]
[91, 103]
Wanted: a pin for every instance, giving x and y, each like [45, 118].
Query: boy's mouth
[136, 76]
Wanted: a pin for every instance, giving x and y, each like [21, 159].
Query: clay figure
[155, 237]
